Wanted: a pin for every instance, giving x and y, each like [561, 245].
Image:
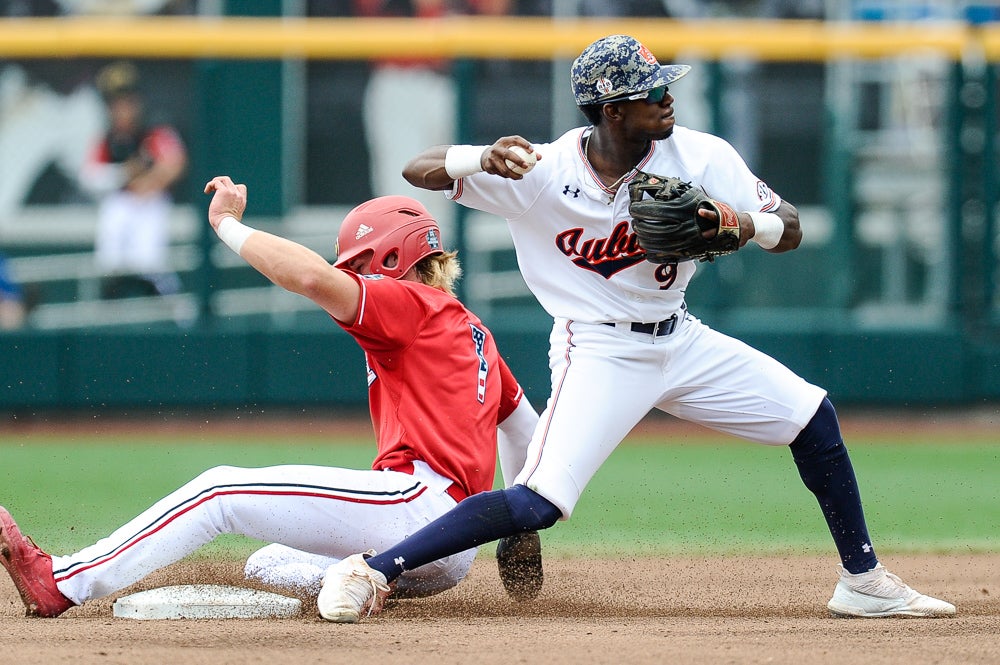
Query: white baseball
[523, 154]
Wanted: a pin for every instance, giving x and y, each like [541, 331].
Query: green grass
[737, 498]
[709, 497]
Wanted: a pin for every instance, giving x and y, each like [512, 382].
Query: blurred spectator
[410, 103]
[12, 306]
[130, 172]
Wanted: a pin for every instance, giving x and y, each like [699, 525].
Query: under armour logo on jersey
[575, 193]
[400, 561]
[363, 230]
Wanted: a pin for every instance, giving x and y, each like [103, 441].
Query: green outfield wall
[821, 310]
[175, 371]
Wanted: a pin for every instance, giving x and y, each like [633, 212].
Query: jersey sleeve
[389, 313]
[502, 196]
[729, 179]
[510, 391]
[164, 142]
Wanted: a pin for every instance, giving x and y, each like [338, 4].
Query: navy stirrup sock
[479, 519]
[825, 468]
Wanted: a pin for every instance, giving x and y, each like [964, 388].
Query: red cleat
[31, 570]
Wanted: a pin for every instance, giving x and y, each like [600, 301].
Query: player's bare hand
[712, 217]
[500, 159]
[228, 199]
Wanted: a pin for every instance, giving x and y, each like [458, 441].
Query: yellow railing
[472, 37]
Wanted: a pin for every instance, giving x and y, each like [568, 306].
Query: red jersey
[437, 387]
[151, 144]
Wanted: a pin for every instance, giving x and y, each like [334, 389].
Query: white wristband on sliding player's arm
[769, 229]
[233, 232]
[463, 160]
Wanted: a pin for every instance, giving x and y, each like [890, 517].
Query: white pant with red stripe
[325, 511]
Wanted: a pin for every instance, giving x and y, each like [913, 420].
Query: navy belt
[656, 329]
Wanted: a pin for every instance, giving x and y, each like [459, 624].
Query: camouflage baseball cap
[616, 66]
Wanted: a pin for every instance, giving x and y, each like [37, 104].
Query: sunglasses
[653, 96]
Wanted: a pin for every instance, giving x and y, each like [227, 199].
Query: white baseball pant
[606, 378]
[327, 511]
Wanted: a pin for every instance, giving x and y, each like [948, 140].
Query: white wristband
[233, 232]
[769, 229]
[463, 160]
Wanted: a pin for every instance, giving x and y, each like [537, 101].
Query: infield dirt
[670, 610]
[739, 610]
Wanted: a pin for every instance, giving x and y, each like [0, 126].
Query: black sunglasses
[653, 96]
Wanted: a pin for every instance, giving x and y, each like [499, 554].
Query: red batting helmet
[387, 227]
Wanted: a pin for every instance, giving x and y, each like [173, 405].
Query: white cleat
[351, 587]
[879, 593]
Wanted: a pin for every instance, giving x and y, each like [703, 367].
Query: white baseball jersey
[573, 239]
[578, 255]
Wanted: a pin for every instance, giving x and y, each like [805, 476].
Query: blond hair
[441, 271]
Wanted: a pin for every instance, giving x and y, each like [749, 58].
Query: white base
[206, 601]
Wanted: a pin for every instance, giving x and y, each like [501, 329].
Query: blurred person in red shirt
[130, 172]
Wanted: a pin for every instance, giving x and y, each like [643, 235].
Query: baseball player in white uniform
[623, 341]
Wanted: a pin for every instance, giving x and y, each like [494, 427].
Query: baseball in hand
[523, 154]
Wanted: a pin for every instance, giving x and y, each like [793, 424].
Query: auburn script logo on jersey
[605, 256]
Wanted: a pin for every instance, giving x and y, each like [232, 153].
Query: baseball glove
[667, 224]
